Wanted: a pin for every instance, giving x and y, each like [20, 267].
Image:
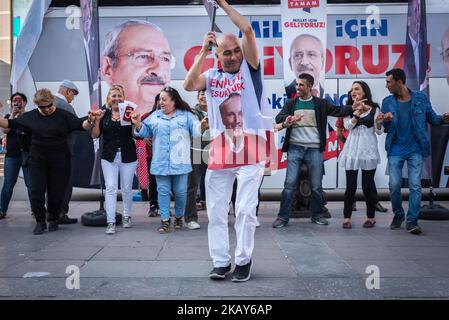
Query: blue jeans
[313, 158]
[415, 164]
[164, 186]
[11, 172]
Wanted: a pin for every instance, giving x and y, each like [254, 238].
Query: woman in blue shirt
[170, 128]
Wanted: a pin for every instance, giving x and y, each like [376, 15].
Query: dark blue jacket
[422, 113]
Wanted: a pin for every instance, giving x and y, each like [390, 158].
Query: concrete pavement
[301, 261]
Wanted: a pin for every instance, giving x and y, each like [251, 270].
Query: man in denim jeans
[305, 141]
[405, 115]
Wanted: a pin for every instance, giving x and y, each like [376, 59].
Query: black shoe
[397, 222]
[64, 219]
[378, 207]
[53, 225]
[320, 220]
[354, 207]
[279, 223]
[326, 213]
[40, 228]
[220, 272]
[413, 228]
[153, 212]
[242, 273]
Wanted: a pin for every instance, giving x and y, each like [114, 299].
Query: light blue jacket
[171, 141]
[422, 113]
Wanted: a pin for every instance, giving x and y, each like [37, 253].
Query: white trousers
[111, 176]
[218, 195]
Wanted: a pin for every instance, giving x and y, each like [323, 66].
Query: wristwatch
[356, 116]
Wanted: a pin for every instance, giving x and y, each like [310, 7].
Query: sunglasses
[46, 107]
[169, 89]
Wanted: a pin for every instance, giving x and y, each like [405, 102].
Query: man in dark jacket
[305, 141]
[63, 99]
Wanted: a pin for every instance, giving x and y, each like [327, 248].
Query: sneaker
[127, 222]
[242, 273]
[154, 211]
[193, 225]
[53, 226]
[413, 228]
[2, 215]
[64, 219]
[378, 207]
[178, 223]
[40, 228]
[257, 223]
[320, 220]
[397, 222]
[220, 272]
[110, 229]
[279, 223]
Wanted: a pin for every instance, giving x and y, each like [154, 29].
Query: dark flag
[416, 54]
[211, 8]
[91, 35]
[87, 156]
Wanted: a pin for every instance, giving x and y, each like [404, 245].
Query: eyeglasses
[46, 107]
[299, 55]
[143, 58]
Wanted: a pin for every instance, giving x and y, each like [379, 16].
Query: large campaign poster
[304, 36]
[354, 51]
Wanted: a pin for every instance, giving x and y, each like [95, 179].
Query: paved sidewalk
[302, 261]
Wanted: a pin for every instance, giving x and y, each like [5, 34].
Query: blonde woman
[118, 157]
[49, 161]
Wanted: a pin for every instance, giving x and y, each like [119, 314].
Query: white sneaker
[127, 222]
[110, 229]
[257, 223]
[193, 225]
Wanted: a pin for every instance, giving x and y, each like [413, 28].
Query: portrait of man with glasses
[137, 55]
[306, 56]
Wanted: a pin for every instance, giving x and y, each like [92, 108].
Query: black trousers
[69, 188]
[369, 191]
[195, 176]
[152, 187]
[49, 172]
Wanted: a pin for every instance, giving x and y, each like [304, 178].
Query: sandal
[178, 223]
[369, 224]
[165, 226]
[347, 225]
[201, 205]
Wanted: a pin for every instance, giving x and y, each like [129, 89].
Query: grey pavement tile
[391, 268]
[66, 253]
[57, 269]
[138, 253]
[42, 288]
[422, 253]
[136, 288]
[321, 266]
[414, 288]
[438, 267]
[339, 289]
[117, 269]
[257, 287]
[180, 269]
[184, 252]
[368, 252]
[268, 268]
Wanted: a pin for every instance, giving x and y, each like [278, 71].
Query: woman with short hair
[49, 161]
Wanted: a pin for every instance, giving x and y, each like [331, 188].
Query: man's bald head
[229, 52]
